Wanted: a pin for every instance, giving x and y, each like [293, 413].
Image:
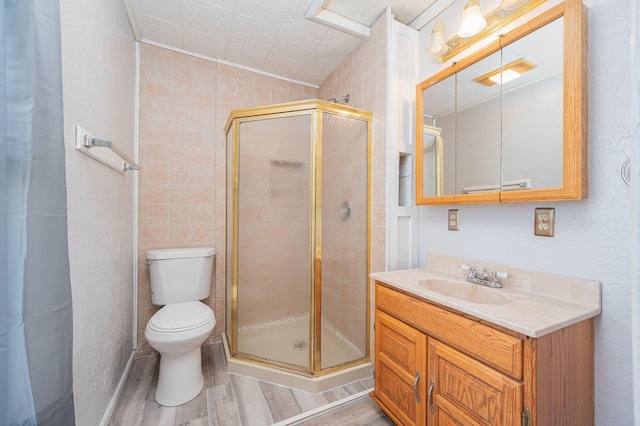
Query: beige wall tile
[184, 105]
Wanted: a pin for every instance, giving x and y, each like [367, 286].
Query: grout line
[318, 410]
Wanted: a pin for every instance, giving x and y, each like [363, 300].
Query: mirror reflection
[478, 124]
[532, 108]
[499, 120]
[439, 136]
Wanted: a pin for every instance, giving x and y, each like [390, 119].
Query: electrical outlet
[454, 220]
[544, 222]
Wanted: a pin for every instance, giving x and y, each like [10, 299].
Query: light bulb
[472, 20]
[437, 44]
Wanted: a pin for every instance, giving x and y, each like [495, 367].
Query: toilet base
[180, 378]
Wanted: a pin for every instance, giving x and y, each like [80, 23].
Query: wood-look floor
[234, 400]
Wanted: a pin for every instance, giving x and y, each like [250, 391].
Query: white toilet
[180, 278]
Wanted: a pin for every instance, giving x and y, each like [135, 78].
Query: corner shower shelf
[104, 151]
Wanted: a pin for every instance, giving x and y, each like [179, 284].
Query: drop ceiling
[286, 38]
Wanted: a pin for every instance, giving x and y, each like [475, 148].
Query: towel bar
[107, 153]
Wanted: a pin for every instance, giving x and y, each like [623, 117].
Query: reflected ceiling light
[505, 76]
[472, 20]
[512, 4]
[509, 72]
[437, 43]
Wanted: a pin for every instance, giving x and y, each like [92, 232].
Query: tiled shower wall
[363, 75]
[184, 104]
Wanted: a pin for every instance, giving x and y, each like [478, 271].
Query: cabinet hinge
[526, 417]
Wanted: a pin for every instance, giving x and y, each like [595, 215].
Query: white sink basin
[468, 292]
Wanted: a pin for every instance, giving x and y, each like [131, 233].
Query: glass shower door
[344, 220]
[274, 240]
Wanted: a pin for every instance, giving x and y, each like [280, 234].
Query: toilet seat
[180, 317]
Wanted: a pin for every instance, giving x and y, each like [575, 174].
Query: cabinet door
[401, 362]
[467, 392]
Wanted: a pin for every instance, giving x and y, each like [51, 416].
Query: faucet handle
[467, 268]
[502, 275]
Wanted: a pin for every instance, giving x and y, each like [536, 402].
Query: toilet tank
[180, 275]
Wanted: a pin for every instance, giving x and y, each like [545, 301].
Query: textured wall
[98, 60]
[635, 221]
[184, 105]
[592, 235]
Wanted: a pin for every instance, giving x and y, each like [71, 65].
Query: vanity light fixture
[512, 4]
[437, 43]
[472, 20]
[475, 26]
[509, 72]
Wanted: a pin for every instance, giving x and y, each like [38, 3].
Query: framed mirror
[506, 139]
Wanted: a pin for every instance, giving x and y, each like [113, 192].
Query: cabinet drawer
[493, 347]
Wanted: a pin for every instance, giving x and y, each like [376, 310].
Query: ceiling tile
[268, 35]
[206, 18]
[165, 10]
[247, 30]
[271, 11]
[226, 4]
[298, 8]
[204, 44]
[364, 11]
[292, 46]
[160, 31]
[341, 40]
[304, 28]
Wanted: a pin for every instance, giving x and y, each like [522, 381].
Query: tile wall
[363, 75]
[184, 104]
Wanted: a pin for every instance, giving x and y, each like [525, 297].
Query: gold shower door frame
[315, 108]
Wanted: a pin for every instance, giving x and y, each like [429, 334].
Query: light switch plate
[544, 222]
[454, 220]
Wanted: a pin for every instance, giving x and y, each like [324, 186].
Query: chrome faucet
[482, 278]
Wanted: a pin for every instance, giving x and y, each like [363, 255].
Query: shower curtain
[35, 289]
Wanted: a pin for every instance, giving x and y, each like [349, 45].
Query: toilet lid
[181, 317]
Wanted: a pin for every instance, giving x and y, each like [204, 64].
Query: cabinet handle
[429, 397]
[415, 387]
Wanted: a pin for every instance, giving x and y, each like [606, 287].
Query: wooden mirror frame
[575, 176]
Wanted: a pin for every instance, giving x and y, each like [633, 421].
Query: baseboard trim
[116, 395]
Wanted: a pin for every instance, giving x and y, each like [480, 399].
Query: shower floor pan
[287, 342]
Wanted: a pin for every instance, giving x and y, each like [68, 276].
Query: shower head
[344, 98]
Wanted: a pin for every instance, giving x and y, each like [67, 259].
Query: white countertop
[534, 303]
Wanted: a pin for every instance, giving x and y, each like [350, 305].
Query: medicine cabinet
[483, 137]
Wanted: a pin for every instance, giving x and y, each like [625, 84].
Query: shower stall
[297, 258]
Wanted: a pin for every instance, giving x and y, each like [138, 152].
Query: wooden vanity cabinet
[436, 366]
[401, 363]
